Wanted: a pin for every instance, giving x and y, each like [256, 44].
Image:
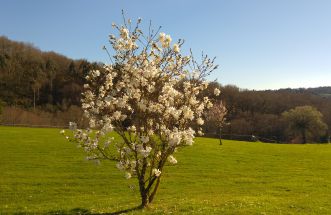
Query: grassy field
[42, 173]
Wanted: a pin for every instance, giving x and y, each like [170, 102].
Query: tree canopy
[305, 121]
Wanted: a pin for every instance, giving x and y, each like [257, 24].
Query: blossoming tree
[215, 117]
[149, 96]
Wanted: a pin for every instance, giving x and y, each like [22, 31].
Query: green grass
[42, 173]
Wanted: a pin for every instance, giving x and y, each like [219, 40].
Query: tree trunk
[143, 192]
[220, 136]
[34, 99]
[51, 85]
[38, 94]
[304, 138]
[147, 194]
[144, 199]
[147, 190]
[151, 197]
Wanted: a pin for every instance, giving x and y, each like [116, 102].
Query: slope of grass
[42, 173]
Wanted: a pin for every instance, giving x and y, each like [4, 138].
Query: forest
[44, 88]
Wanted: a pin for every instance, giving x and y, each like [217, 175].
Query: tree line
[262, 113]
[32, 80]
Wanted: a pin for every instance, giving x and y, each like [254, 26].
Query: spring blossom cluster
[150, 96]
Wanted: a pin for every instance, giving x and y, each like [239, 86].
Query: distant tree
[51, 75]
[215, 118]
[37, 78]
[305, 121]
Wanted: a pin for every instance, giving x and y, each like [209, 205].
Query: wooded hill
[259, 112]
[30, 77]
[46, 82]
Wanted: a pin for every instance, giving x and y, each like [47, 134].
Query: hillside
[43, 173]
[320, 91]
[259, 112]
[44, 88]
[30, 77]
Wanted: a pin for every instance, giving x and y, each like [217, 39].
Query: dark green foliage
[306, 122]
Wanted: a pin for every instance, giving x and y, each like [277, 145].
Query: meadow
[42, 173]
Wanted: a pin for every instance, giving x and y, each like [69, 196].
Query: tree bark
[144, 199]
[38, 94]
[151, 197]
[34, 99]
[143, 192]
[304, 137]
[220, 136]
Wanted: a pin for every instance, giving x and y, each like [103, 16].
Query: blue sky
[259, 44]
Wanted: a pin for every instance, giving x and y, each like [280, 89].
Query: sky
[258, 44]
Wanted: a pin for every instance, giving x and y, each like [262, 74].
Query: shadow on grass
[83, 211]
[72, 211]
[123, 211]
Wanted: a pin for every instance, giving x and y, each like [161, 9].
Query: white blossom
[168, 39]
[200, 133]
[217, 91]
[156, 172]
[124, 33]
[72, 125]
[165, 40]
[176, 48]
[145, 151]
[117, 115]
[132, 128]
[128, 175]
[200, 121]
[172, 159]
[144, 139]
[162, 36]
[120, 166]
[95, 73]
[188, 113]
[174, 139]
[92, 123]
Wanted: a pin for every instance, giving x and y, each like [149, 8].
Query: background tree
[305, 121]
[215, 117]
